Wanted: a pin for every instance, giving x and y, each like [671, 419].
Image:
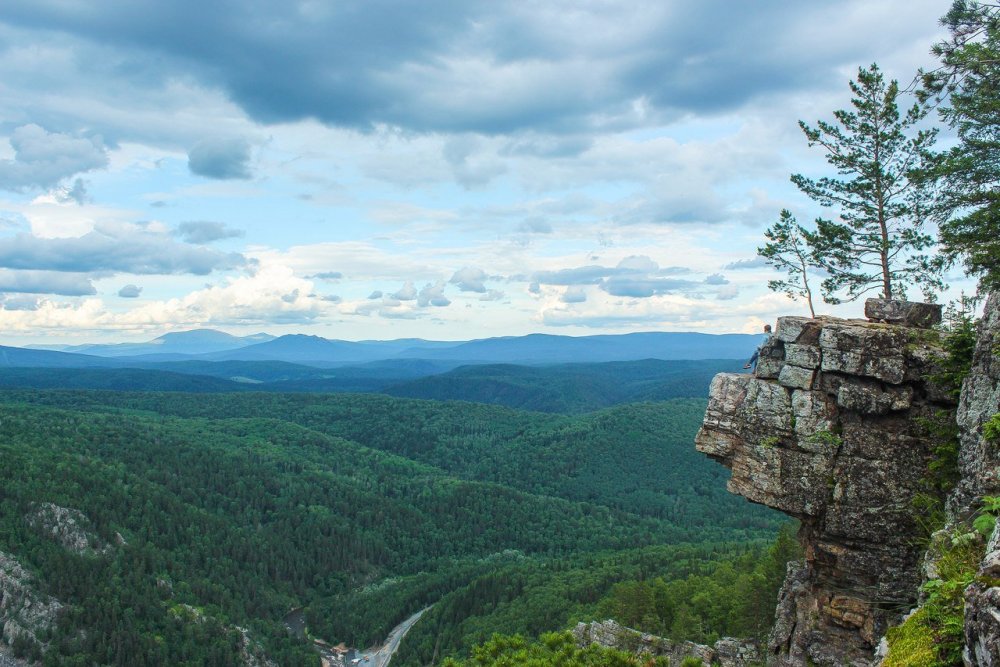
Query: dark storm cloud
[206, 231]
[112, 248]
[490, 67]
[221, 159]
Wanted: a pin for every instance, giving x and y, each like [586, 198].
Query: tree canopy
[878, 238]
[967, 85]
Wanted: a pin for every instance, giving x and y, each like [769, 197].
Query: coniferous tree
[877, 239]
[968, 84]
[788, 249]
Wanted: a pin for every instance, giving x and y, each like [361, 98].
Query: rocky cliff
[979, 466]
[831, 429]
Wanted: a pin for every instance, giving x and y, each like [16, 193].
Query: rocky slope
[831, 429]
[979, 465]
[25, 614]
[727, 652]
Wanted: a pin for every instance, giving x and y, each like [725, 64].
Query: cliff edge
[831, 429]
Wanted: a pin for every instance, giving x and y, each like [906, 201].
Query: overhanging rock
[831, 429]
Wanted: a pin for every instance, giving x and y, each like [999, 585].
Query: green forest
[230, 510]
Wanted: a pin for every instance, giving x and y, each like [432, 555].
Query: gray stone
[24, 611]
[796, 378]
[68, 527]
[982, 625]
[727, 652]
[801, 330]
[770, 359]
[804, 356]
[768, 368]
[865, 350]
[813, 412]
[844, 455]
[873, 398]
[905, 313]
[978, 460]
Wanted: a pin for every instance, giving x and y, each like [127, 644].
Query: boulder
[904, 313]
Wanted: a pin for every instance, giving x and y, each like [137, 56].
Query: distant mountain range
[207, 345]
[538, 372]
[196, 341]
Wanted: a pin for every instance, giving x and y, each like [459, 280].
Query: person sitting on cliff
[752, 364]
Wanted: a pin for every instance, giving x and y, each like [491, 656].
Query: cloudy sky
[447, 170]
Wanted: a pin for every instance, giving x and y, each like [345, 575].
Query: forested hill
[570, 388]
[563, 388]
[242, 506]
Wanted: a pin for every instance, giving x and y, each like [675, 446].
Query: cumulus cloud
[42, 159]
[272, 295]
[113, 247]
[469, 279]
[405, 293]
[492, 295]
[727, 293]
[377, 294]
[574, 294]
[583, 275]
[535, 225]
[75, 193]
[206, 231]
[221, 159]
[46, 282]
[755, 263]
[636, 276]
[433, 295]
[327, 275]
[645, 286]
[638, 264]
[469, 164]
[130, 291]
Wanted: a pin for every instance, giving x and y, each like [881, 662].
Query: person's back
[752, 364]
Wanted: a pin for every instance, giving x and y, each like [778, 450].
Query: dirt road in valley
[373, 657]
[380, 657]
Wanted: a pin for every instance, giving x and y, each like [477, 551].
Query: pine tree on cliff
[788, 249]
[877, 239]
[968, 82]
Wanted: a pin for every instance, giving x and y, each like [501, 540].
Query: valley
[234, 506]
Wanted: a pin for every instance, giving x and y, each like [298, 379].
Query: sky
[443, 170]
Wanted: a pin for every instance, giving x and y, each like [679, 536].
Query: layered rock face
[830, 429]
[979, 464]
